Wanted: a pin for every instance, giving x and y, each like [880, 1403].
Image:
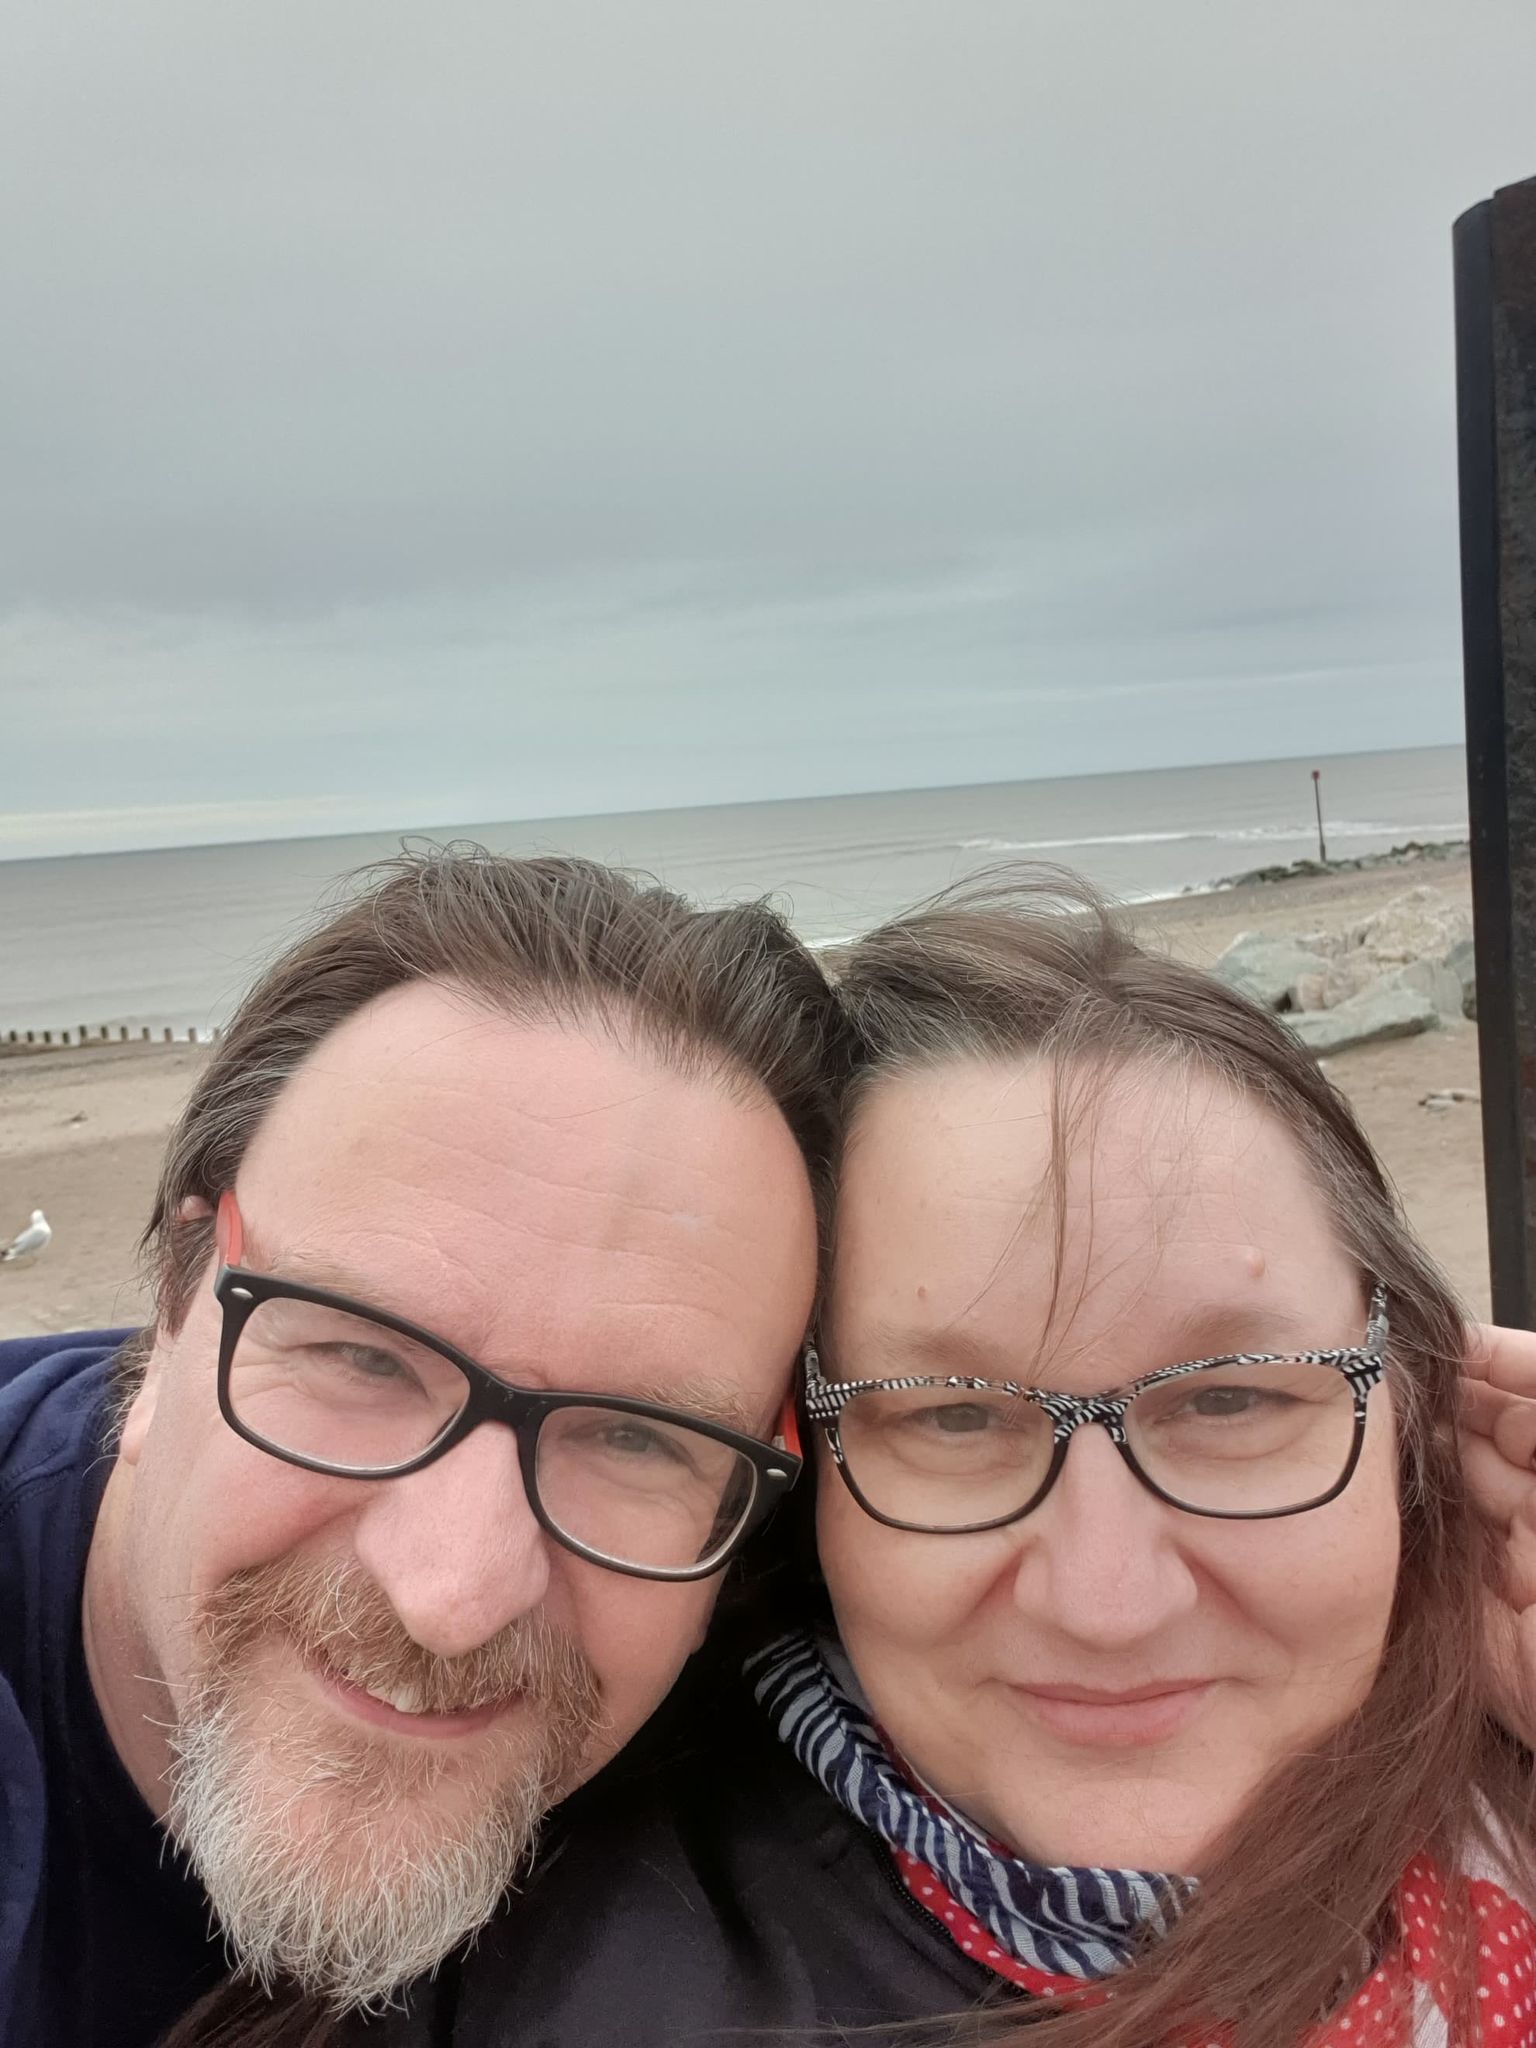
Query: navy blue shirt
[104, 1936]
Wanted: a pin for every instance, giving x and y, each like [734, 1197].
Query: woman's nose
[455, 1547]
[1103, 1559]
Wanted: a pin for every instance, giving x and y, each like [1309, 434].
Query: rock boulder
[1434, 979]
[1266, 968]
[1377, 1013]
[1342, 979]
[1421, 924]
[1462, 962]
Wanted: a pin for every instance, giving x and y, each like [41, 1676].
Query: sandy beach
[81, 1132]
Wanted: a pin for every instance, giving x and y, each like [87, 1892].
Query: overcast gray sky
[413, 413]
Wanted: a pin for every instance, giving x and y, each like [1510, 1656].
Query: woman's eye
[1231, 1404]
[964, 1418]
[1222, 1401]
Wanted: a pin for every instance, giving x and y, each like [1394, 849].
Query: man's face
[574, 1217]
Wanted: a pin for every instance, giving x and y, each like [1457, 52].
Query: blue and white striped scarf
[1080, 1923]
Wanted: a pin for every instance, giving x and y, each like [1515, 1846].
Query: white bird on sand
[33, 1241]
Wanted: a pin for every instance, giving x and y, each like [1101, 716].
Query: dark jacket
[104, 1936]
[718, 1895]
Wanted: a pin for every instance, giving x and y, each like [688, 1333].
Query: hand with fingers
[1498, 1438]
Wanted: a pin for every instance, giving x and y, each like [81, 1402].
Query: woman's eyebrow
[889, 1349]
[1213, 1330]
[1217, 1329]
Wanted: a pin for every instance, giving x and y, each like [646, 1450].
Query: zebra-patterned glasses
[1242, 1437]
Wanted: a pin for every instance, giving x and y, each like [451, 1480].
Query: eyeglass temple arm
[1376, 1322]
[789, 1427]
[789, 1421]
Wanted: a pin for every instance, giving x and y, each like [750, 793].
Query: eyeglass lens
[359, 1397]
[1237, 1439]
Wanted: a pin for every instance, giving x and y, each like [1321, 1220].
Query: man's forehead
[519, 1188]
[431, 1036]
[427, 1071]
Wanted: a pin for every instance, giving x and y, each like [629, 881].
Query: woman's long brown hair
[1299, 1895]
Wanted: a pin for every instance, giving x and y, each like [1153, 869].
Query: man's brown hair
[729, 992]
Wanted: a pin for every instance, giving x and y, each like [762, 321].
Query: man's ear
[228, 1230]
[140, 1412]
[141, 1409]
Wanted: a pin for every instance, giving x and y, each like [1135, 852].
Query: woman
[1155, 1705]
[1073, 1166]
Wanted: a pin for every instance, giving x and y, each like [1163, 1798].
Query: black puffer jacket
[714, 1894]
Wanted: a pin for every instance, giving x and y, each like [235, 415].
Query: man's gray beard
[314, 1872]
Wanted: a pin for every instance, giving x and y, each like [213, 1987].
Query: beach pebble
[1447, 1098]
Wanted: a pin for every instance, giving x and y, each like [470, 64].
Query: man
[305, 1619]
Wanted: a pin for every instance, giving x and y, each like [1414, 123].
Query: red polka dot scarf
[1051, 1929]
[1402, 2004]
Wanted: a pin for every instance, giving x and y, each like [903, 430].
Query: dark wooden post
[1495, 249]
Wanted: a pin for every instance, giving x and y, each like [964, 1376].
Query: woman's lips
[1096, 1719]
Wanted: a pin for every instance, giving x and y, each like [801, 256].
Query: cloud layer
[414, 413]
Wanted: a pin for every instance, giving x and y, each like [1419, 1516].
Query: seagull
[32, 1241]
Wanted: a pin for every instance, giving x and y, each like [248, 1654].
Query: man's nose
[1102, 1560]
[455, 1547]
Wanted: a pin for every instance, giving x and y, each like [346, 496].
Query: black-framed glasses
[1244, 1437]
[337, 1386]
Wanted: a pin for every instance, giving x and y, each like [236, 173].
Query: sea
[167, 939]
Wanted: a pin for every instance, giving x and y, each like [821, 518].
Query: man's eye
[636, 1440]
[632, 1437]
[363, 1361]
[373, 1365]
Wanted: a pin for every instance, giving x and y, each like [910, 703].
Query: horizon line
[436, 828]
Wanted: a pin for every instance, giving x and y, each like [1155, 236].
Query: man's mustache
[336, 1617]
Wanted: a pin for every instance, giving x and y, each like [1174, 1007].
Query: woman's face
[1108, 1680]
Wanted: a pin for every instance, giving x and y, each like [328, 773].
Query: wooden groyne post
[84, 1035]
[1495, 258]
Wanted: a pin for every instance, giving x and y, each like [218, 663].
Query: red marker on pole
[1317, 798]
